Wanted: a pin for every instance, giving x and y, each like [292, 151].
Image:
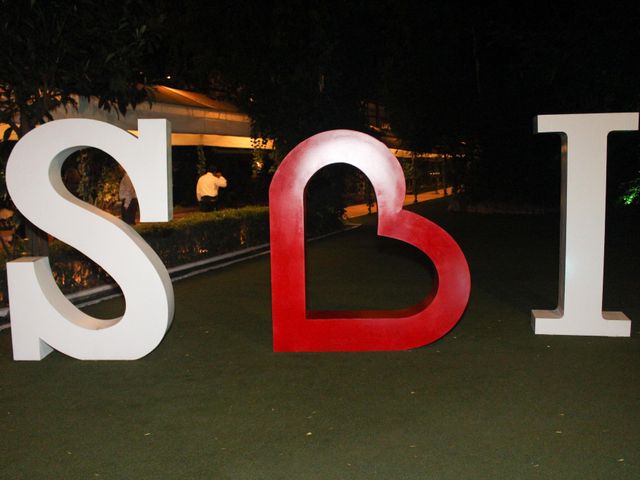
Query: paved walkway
[362, 209]
[352, 211]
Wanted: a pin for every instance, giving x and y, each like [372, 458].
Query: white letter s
[41, 317]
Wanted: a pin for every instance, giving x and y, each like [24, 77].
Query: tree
[54, 51]
[297, 68]
[479, 74]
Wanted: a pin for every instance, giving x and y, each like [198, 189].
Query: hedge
[193, 237]
[203, 235]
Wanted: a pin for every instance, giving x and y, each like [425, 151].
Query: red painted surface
[297, 330]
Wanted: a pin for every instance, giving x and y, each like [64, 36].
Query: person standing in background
[207, 188]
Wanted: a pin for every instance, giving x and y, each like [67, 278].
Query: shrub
[187, 239]
[203, 235]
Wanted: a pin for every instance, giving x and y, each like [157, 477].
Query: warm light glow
[399, 153]
[3, 128]
[224, 141]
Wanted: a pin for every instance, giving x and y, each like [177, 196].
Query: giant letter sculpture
[584, 180]
[296, 330]
[41, 317]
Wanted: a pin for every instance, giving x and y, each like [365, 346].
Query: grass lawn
[490, 400]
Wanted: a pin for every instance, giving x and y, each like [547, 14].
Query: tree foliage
[297, 68]
[459, 78]
[475, 76]
[55, 49]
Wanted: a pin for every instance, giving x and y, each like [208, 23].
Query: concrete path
[362, 209]
[352, 211]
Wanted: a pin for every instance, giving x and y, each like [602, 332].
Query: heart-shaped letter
[295, 330]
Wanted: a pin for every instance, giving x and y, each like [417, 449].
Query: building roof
[196, 119]
[174, 96]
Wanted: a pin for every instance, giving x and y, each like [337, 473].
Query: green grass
[490, 400]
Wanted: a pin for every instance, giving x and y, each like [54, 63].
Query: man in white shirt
[207, 189]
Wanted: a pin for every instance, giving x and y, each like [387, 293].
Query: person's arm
[199, 189]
